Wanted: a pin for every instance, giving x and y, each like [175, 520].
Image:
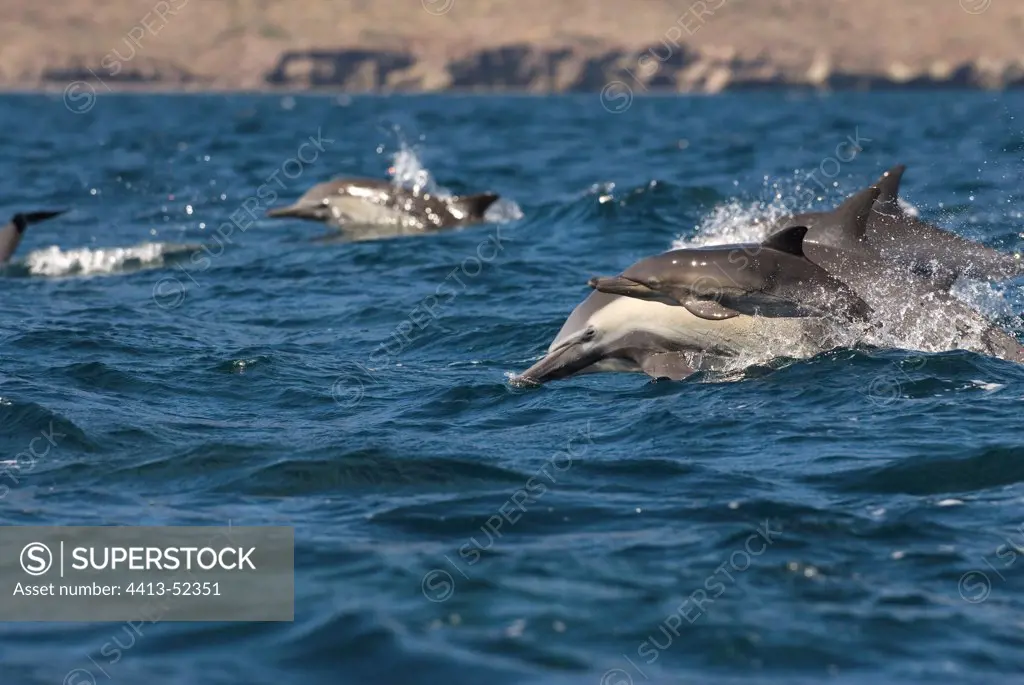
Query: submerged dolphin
[11, 234]
[619, 333]
[925, 248]
[366, 201]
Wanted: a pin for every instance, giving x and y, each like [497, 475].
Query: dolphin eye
[588, 335]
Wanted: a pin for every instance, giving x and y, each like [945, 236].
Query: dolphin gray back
[929, 249]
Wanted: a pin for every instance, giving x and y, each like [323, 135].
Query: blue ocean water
[855, 517]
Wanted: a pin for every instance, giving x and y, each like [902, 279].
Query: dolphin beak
[566, 359]
[620, 285]
[557, 364]
[293, 211]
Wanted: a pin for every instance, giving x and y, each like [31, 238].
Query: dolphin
[927, 249]
[688, 310]
[772, 279]
[11, 234]
[367, 202]
[609, 332]
[914, 310]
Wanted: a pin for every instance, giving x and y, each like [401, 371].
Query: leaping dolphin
[11, 234]
[903, 307]
[927, 249]
[620, 333]
[370, 202]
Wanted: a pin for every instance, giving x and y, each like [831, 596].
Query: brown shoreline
[529, 46]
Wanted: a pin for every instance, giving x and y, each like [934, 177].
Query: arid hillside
[531, 45]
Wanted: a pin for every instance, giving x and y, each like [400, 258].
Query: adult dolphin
[927, 249]
[609, 332]
[917, 312]
[372, 202]
[11, 234]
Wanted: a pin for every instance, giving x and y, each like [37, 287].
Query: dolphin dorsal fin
[843, 228]
[790, 239]
[852, 215]
[473, 205]
[888, 184]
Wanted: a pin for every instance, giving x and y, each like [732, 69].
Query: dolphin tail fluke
[474, 206]
[888, 185]
[10, 235]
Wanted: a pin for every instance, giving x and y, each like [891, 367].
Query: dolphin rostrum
[927, 249]
[367, 202]
[11, 234]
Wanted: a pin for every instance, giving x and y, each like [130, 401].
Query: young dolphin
[11, 234]
[772, 279]
[927, 249]
[369, 202]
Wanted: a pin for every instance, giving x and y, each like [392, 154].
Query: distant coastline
[528, 46]
[524, 68]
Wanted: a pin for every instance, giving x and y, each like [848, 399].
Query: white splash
[52, 261]
[908, 208]
[988, 298]
[732, 223]
[408, 171]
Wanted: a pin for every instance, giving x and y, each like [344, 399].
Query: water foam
[55, 262]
